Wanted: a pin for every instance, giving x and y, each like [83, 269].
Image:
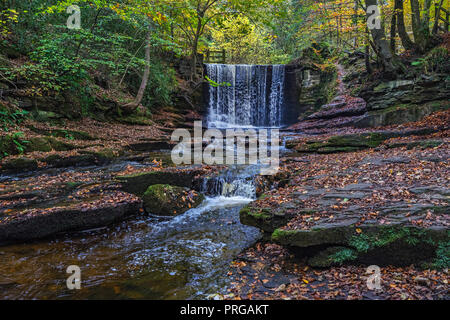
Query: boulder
[20, 165]
[397, 242]
[398, 114]
[269, 220]
[28, 224]
[167, 200]
[138, 183]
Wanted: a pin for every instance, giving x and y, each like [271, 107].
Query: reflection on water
[186, 257]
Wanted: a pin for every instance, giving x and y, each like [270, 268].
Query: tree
[401, 29]
[380, 41]
[193, 17]
[421, 23]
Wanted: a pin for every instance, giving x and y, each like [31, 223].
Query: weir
[247, 95]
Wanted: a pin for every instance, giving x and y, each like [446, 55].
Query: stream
[149, 257]
[145, 257]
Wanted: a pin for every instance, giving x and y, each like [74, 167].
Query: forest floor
[78, 137]
[269, 271]
[387, 176]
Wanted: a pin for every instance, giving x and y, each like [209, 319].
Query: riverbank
[345, 206]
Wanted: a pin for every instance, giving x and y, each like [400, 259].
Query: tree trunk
[381, 44]
[130, 107]
[393, 32]
[420, 24]
[436, 21]
[401, 29]
[367, 56]
[197, 35]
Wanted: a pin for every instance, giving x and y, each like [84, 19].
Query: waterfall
[237, 181]
[253, 96]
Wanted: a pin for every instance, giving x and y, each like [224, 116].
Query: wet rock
[166, 200]
[397, 243]
[269, 220]
[138, 183]
[30, 224]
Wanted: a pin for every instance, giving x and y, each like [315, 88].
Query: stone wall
[402, 101]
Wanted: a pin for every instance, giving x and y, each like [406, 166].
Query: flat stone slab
[30, 224]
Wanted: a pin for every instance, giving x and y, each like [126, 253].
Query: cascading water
[247, 95]
[237, 182]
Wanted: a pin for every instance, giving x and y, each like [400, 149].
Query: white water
[254, 97]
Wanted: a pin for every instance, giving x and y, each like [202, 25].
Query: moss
[388, 235]
[169, 200]
[7, 146]
[58, 145]
[442, 260]
[345, 143]
[344, 255]
[259, 214]
[47, 144]
[279, 234]
[39, 144]
[327, 150]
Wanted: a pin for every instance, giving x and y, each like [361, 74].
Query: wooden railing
[214, 56]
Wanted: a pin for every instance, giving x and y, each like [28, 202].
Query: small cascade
[248, 95]
[235, 182]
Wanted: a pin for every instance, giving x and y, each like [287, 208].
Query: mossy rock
[47, 144]
[7, 146]
[46, 116]
[268, 220]
[400, 113]
[346, 143]
[71, 134]
[374, 244]
[138, 183]
[20, 164]
[57, 161]
[41, 144]
[332, 256]
[167, 200]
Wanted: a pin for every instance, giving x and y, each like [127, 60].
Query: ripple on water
[144, 258]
